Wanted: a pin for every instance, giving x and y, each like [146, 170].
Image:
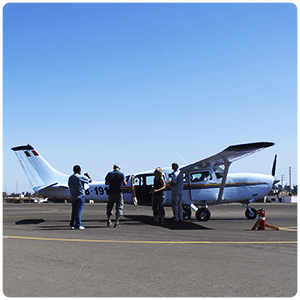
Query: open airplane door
[133, 192]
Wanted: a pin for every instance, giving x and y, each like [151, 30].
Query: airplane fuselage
[239, 187]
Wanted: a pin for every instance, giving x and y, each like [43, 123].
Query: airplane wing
[227, 156]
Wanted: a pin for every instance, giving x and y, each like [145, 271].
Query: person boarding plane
[205, 183]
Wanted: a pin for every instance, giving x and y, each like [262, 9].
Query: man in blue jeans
[76, 187]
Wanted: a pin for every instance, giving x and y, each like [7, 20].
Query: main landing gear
[202, 213]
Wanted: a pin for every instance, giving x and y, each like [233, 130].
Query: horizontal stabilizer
[28, 147]
[42, 188]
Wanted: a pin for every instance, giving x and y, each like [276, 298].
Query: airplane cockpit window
[183, 177]
[219, 175]
[200, 176]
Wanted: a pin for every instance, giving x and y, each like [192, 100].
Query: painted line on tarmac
[149, 242]
[288, 228]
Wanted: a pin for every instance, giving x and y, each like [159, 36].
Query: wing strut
[227, 164]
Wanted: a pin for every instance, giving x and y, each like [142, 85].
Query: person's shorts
[115, 199]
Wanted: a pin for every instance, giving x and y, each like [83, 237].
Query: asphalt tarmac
[223, 257]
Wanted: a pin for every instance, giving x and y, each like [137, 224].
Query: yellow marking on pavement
[288, 228]
[149, 242]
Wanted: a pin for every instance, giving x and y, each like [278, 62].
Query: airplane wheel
[203, 214]
[251, 214]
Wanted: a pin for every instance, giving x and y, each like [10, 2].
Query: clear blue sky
[146, 84]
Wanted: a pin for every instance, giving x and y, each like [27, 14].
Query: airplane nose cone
[270, 180]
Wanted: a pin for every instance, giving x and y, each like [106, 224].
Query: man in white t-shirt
[176, 184]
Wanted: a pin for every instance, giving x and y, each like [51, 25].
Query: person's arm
[172, 181]
[88, 176]
[69, 187]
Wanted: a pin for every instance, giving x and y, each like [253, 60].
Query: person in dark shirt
[115, 180]
[158, 197]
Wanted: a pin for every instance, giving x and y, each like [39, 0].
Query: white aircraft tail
[38, 171]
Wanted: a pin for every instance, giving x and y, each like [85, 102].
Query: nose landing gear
[250, 213]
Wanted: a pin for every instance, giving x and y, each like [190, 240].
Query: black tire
[251, 215]
[203, 214]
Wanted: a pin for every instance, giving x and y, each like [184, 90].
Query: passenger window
[201, 176]
[138, 181]
[150, 180]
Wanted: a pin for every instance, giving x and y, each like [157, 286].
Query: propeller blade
[274, 165]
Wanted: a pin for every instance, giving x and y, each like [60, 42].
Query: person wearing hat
[115, 180]
[77, 192]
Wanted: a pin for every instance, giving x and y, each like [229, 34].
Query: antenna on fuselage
[182, 159]
[101, 175]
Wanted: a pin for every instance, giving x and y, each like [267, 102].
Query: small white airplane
[206, 182]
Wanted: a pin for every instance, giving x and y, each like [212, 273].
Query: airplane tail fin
[38, 171]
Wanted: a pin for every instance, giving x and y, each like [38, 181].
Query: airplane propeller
[274, 165]
[274, 170]
[274, 188]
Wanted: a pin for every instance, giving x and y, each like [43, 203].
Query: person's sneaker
[80, 228]
[117, 225]
[108, 223]
[72, 227]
